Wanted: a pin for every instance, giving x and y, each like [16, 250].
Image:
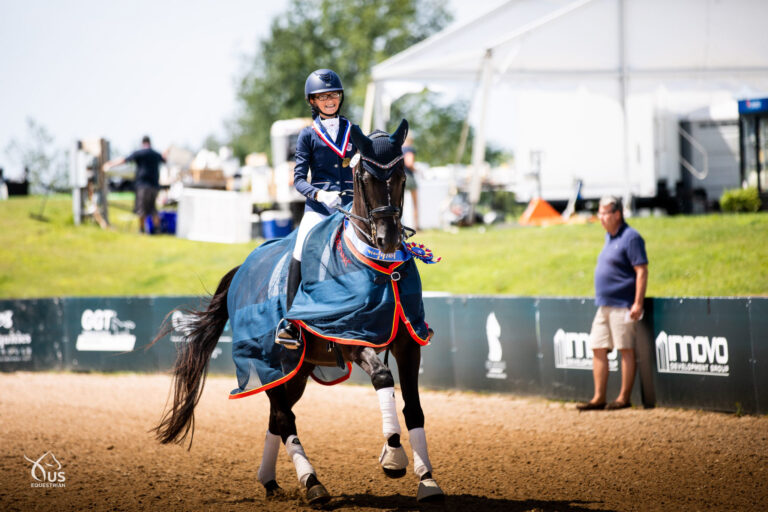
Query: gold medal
[345, 162]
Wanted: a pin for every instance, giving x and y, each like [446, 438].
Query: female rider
[325, 149]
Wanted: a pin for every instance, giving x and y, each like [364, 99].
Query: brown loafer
[614, 406]
[590, 406]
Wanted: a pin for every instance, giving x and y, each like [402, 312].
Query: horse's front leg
[282, 420]
[393, 458]
[408, 356]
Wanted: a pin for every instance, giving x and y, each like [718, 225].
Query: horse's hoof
[429, 491]
[395, 473]
[273, 490]
[393, 461]
[317, 495]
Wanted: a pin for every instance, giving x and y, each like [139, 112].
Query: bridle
[374, 214]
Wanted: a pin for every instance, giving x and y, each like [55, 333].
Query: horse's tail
[202, 333]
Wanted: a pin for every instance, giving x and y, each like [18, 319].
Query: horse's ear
[398, 138]
[362, 142]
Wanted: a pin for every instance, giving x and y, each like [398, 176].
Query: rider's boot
[288, 336]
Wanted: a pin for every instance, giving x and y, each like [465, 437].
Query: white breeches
[310, 220]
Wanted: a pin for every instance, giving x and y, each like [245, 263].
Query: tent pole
[478, 145]
[370, 95]
[623, 92]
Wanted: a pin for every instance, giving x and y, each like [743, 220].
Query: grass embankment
[713, 255]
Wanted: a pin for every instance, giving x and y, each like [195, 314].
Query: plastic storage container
[167, 223]
[276, 224]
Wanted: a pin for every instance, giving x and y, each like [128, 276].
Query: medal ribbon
[323, 134]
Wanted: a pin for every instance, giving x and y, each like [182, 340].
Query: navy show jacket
[328, 172]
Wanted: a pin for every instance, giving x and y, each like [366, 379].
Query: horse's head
[380, 185]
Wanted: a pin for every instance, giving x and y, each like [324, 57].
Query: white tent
[588, 79]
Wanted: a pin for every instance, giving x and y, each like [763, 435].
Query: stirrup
[288, 336]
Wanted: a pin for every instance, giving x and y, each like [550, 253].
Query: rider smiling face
[326, 103]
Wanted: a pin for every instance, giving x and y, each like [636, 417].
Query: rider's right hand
[329, 198]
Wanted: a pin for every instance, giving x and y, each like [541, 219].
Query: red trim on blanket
[277, 382]
[401, 313]
[398, 314]
[352, 341]
[333, 382]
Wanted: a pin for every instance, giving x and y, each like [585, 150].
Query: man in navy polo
[621, 278]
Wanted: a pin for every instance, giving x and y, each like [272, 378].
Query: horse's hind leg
[281, 419]
[393, 458]
[408, 355]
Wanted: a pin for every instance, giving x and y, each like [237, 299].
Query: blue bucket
[167, 223]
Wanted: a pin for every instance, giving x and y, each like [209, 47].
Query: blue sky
[85, 68]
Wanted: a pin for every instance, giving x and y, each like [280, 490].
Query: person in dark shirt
[147, 180]
[621, 277]
[410, 178]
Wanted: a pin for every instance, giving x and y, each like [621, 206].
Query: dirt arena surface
[490, 452]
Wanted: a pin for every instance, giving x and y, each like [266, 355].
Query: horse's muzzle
[388, 235]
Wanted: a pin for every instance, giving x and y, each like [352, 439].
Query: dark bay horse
[379, 185]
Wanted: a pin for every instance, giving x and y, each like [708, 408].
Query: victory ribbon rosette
[421, 252]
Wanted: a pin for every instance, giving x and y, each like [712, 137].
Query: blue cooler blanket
[344, 297]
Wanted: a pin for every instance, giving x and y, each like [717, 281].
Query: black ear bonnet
[381, 153]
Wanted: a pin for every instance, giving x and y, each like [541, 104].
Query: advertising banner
[566, 356]
[30, 337]
[703, 354]
[758, 331]
[176, 310]
[495, 344]
[436, 370]
[109, 334]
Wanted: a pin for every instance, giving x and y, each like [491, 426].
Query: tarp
[538, 213]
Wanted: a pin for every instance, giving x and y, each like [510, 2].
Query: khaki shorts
[612, 328]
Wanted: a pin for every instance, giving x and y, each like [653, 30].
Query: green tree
[348, 36]
[37, 154]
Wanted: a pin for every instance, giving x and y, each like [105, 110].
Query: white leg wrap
[269, 458]
[296, 453]
[389, 422]
[418, 439]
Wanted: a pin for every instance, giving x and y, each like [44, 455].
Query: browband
[383, 166]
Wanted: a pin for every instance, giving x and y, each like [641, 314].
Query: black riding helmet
[320, 81]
